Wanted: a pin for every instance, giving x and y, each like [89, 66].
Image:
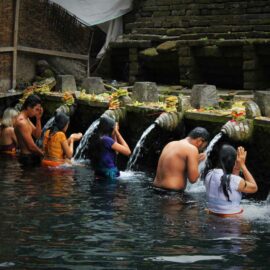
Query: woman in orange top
[8, 140]
[57, 148]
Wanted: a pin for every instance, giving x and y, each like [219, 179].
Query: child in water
[223, 184]
[57, 148]
[8, 140]
[105, 146]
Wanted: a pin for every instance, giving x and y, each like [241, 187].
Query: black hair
[199, 132]
[106, 126]
[31, 101]
[60, 121]
[95, 146]
[227, 158]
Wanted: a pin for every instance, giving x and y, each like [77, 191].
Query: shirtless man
[25, 130]
[179, 161]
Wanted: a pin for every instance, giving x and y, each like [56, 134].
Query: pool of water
[64, 219]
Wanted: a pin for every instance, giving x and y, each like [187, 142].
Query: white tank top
[216, 200]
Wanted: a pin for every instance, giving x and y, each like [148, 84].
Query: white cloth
[216, 200]
[104, 13]
[113, 29]
[93, 12]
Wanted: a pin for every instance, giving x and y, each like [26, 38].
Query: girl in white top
[224, 185]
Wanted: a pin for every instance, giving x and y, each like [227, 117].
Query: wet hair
[95, 146]
[199, 132]
[106, 126]
[31, 101]
[59, 123]
[8, 115]
[227, 158]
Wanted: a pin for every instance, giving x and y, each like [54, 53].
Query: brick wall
[42, 26]
[6, 39]
[6, 22]
[5, 71]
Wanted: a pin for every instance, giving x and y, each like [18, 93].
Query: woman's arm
[248, 184]
[68, 146]
[120, 145]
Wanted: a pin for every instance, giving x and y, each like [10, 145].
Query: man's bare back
[175, 164]
[179, 160]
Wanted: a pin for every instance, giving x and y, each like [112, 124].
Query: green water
[64, 219]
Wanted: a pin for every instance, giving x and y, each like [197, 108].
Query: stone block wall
[212, 18]
[221, 42]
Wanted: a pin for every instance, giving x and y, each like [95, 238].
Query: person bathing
[8, 139]
[57, 148]
[104, 148]
[223, 184]
[179, 161]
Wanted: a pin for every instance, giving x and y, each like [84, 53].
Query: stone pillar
[186, 66]
[133, 65]
[65, 83]
[250, 66]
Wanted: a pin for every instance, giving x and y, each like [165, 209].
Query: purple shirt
[108, 156]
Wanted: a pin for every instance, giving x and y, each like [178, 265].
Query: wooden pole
[89, 54]
[15, 44]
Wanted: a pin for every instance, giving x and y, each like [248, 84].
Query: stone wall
[6, 40]
[217, 42]
[197, 18]
[42, 26]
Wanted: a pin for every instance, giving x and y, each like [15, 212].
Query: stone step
[238, 35]
[129, 43]
[150, 37]
[160, 31]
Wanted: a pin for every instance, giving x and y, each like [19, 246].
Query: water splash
[256, 211]
[138, 148]
[79, 154]
[198, 186]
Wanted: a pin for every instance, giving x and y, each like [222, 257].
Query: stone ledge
[206, 116]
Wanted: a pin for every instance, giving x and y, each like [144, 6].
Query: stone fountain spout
[118, 115]
[238, 131]
[169, 121]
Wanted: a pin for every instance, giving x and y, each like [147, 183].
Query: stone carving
[252, 109]
[262, 98]
[203, 95]
[145, 92]
[238, 131]
[117, 114]
[169, 121]
[93, 85]
[65, 83]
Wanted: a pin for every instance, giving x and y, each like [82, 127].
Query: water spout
[118, 115]
[238, 131]
[169, 121]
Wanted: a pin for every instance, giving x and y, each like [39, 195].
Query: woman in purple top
[104, 148]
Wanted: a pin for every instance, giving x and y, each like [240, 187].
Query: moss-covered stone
[150, 52]
[167, 46]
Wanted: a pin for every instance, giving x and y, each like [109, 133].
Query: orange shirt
[52, 145]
